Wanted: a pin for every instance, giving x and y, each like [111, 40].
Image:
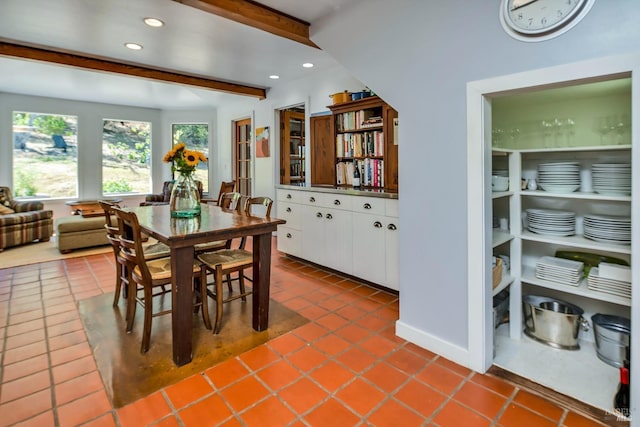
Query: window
[196, 137]
[126, 152]
[45, 155]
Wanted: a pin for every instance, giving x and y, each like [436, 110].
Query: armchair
[164, 197]
[22, 221]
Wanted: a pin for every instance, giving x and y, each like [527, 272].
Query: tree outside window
[45, 155]
[196, 137]
[126, 155]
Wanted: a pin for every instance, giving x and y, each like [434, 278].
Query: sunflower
[191, 158]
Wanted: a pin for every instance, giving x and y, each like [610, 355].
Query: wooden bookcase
[292, 148]
[361, 131]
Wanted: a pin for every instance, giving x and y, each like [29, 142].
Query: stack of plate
[608, 286]
[559, 177]
[560, 270]
[607, 228]
[552, 222]
[500, 172]
[612, 179]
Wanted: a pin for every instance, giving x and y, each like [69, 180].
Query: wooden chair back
[226, 187]
[258, 206]
[230, 200]
[131, 242]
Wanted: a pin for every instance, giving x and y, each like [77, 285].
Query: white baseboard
[435, 344]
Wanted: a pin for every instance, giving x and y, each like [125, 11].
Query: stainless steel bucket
[612, 337]
[552, 321]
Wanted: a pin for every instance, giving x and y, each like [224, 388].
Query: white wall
[418, 56]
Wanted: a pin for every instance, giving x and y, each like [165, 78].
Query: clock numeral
[543, 21]
[560, 14]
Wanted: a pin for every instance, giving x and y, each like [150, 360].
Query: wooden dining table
[213, 224]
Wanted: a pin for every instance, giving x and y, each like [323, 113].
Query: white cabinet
[328, 240]
[290, 209]
[356, 235]
[375, 237]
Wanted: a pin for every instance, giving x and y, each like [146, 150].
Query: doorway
[242, 142]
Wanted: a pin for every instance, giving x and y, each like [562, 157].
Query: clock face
[534, 20]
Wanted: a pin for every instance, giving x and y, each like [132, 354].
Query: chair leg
[218, 285]
[204, 298]
[229, 283]
[132, 291]
[148, 313]
[116, 294]
[241, 281]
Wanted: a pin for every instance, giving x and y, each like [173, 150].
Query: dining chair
[227, 261]
[151, 250]
[150, 276]
[225, 187]
[226, 201]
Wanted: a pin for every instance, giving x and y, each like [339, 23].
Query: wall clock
[537, 20]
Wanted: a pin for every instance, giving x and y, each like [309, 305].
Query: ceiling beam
[256, 15]
[46, 54]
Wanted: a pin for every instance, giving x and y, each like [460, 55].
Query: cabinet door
[339, 240]
[392, 244]
[290, 241]
[313, 245]
[369, 251]
[327, 237]
[322, 151]
[292, 147]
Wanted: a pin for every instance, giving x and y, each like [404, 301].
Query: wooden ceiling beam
[256, 15]
[73, 59]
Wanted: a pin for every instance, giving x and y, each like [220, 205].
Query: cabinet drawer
[369, 205]
[391, 208]
[292, 213]
[289, 195]
[289, 241]
[328, 200]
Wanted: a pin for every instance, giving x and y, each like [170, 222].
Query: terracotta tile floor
[344, 368]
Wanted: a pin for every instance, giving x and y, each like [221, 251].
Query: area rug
[129, 375]
[43, 252]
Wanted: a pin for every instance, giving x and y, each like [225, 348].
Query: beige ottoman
[76, 231]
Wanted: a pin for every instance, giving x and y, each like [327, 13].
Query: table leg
[182, 303]
[261, 280]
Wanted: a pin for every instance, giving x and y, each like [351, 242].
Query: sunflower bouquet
[183, 160]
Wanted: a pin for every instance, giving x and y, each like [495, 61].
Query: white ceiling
[191, 41]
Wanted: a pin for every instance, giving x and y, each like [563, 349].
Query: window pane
[45, 155]
[126, 151]
[196, 137]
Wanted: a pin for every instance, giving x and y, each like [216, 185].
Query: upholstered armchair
[22, 221]
[164, 197]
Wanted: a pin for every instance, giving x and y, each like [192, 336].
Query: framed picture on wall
[262, 142]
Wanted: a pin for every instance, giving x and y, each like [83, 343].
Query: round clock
[537, 20]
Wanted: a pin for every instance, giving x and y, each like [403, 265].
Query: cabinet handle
[328, 216]
[366, 206]
[288, 209]
[336, 202]
[289, 235]
[377, 224]
[312, 199]
[318, 215]
[288, 196]
[392, 227]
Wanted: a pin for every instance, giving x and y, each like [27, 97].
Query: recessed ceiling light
[274, 76]
[307, 65]
[133, 46]
[153, 22]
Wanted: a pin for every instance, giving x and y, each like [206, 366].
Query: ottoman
[76, 231]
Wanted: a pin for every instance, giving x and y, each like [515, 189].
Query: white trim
[479, 94]
[433, 343]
